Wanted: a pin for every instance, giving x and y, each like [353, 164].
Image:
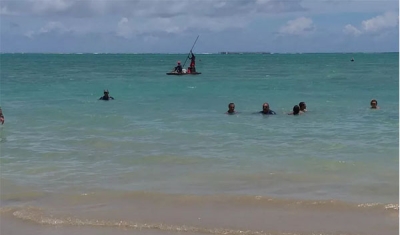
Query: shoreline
[213, 214]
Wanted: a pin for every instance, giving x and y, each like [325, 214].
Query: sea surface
[165, 143]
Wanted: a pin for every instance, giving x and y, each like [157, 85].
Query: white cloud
[4, 11]
[378, 24]
[150, 39]
[127, 28]
[44, 6]
[299, 26]
[29, 34]
[175, 21]
[150, 8]
[144, 17]
[54, 27]
[349, 6]
[123, 29]
[351, 30]
[172, 8]
[195, 8]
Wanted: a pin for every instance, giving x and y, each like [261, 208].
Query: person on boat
[303, 107]
[266, 110]
[192, 62]
[231, 108]
[178, 68]
[1, 116]
[374, 104]
[106, 96]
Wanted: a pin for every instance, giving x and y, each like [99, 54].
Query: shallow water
[169, 134]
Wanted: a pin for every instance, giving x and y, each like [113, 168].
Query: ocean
[164, 158]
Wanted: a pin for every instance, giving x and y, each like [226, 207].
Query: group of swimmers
[297, 109]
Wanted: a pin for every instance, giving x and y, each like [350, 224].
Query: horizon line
[204, 53]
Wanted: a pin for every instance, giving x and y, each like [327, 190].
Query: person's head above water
[302, 106]
[1, 116]
[266, 109]
[106, 96]
[374, 104]
[231, 108]
[265, 106]
[296, 110]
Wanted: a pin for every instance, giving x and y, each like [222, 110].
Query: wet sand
[176, 214]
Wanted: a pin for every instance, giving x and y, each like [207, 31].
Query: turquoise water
[170, 134]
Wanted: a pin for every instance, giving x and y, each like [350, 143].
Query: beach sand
[152, 213]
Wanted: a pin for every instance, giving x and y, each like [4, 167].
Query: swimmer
[106, 96]
[303, 107]
[1, 116]
[374, 104]
[266, 110]
[231, 108]
[296, 110]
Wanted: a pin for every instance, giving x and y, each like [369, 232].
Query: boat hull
[181, 74]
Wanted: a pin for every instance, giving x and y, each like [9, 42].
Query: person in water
[106, 96]
[296, 110]
[266, 110]
[192, 63]
[374, 104]
[303, 107]
[231, 108]
[178, 68]
[1, 116]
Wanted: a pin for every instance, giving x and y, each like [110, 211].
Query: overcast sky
[171, 26]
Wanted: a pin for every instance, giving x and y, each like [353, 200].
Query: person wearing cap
[178, 68]
[106, 96]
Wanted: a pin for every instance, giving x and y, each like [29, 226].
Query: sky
[171, 26]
